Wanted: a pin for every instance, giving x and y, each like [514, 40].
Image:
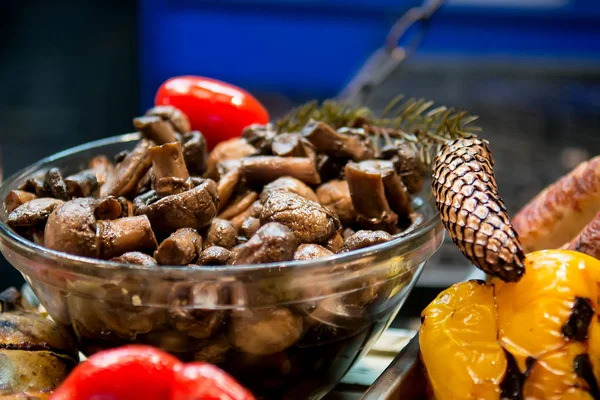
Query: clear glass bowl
[286, 330]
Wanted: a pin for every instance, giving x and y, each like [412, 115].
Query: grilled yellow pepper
[538, 338]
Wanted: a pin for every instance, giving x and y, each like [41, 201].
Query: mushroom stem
[81, 184]
[155, 129]
[264, 169]
[119, 236]
[16, 198]
[167, 161]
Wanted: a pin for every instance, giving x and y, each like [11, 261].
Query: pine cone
[472, 211]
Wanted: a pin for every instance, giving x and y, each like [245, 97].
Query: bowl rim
[6, 233]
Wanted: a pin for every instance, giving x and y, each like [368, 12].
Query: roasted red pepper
[144, 372]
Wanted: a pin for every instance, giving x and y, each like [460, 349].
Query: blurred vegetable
[217, 109]
[144, 372]
[536, 339]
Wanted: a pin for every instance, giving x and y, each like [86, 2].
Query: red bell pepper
[144, 372]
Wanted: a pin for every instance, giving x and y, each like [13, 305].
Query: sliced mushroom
[311, 251]
[239, 205]
[200, 321]
[55, 184]
[195, 152]
[362, 239]
[34, 212]
[213, 350]
[310, 221]
[155, 129]
[249, 227]
[378, 195]
[181, 248]
[194, 208]
[124, 178]
[81, 184]
[265, 169]
[335, 195]
[408, 165]
[264, 332]
[177, 118]
[330, 168]
[253, 211]
[335, 242]
[226, 187]
[16, 198]
[73, 228]
[292, 145]
[288, 184]
[271, 243]
[214, 255]
[343, 143]
[102, 167]
[221, 233]
[35, 185]
[136, 258]
[260, 136]
[123, 235]
[232, 149]
[170, 172]
[126, 207]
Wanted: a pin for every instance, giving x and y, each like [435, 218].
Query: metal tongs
[384, 61]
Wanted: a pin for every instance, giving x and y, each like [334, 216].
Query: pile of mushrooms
[264, 197]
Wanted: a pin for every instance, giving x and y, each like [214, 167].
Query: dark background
[72, 72]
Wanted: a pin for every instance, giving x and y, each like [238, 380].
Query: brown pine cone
[472, 211]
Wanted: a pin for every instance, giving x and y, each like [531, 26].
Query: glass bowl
[285, 330]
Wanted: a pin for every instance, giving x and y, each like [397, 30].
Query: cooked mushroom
[201, 321]
[335, 195]
[126, 207]
[221, 233]
[311, 251]
[260, 136]
[81, 184]
[136, 258]
[155, 129]
[194, 208]
[292, 145]
[181, 248]
[226, 187]
[288, 184]
[55, 184]
[249, 227]
[378, 195]
[310, 221]
[271, 243]
[170, 172]
[362, 239]
[36, 185]
[346, 143]
[239, 205]
[16, 198]
[34, 212]
[232, 149]
[346, 233]
[178, 120]
[101, 167]
[330, 168]
[335, 242]
[73, 228]
[264, 169]
[265, 331]
[195, 152]
[124, 178]
[408, 165]
[213, 350]
[214, 255]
